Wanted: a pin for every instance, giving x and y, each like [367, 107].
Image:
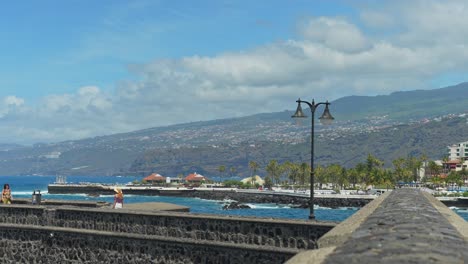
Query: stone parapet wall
[51, 234]
[237, 230]
[404, 226]
[277, 233]
[32, 244]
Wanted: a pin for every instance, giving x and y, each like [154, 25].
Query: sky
[81, 68]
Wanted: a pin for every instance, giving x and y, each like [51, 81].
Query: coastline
[300, 200]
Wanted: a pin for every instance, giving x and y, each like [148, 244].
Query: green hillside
[404, 105]
[430, 138]
[204, 146]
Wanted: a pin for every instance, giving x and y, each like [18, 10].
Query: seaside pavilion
[155, 178]
[195, 178]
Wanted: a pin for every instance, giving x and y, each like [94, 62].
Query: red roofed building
[451, 164]
[195, 178]
[155, 178]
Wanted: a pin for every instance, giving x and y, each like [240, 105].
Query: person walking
[118, 199]
[6, 194]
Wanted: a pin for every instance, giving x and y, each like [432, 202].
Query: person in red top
[118, 199]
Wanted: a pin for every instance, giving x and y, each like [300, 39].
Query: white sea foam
[267, 206]
[347, 208]
[27, 192]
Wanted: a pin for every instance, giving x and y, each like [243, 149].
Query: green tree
[232, 183]
[361, 170]
[353, 177]
[388, 178]
[414, 164]
[434, 169]
[333, 172]
[373, 165]
[320, 176]
[401, 171]
[253, 166]
[268, 182]
[343, 179]
[232, 170]
[221, 170]
[304, 173]
[464, 174]
[454, 178]
[291, 171]
[273, 170]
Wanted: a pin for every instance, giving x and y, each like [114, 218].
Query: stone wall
[404, 226]
[192, 237]
[279, 198]
[29, 244]
[237, 230]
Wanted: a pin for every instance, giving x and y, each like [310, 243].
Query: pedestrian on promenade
[118, 199]
[6, 194]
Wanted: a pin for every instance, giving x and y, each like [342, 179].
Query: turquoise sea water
[23, 186]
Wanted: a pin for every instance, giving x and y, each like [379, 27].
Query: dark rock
[235, 205]
[301, 205]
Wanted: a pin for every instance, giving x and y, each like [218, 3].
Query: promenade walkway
[404, 226]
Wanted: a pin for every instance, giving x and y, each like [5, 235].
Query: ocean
[23, 187]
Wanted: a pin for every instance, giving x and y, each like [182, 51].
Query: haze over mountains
[388, 126]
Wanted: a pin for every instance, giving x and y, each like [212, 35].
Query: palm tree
[321, 176]
[373, 164]
[232, 170]
[445, 159]
[268, 182]
[464, 174]
[222, 169]
[274, 170]
[253, 166]
[353, 176]
[304, 173]
[288, 169]
[434, 169]
[361, 172]
[293, 171]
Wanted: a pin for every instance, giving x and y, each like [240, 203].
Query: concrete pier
[404, 226]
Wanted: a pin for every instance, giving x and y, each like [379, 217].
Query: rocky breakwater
[235, 205]
[297, 200]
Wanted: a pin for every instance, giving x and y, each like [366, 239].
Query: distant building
[451, 164]
[455, 165]
[155, 178]
[52, 155]
[458, 151]
[195, 178]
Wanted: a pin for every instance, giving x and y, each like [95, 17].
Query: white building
[458, 151]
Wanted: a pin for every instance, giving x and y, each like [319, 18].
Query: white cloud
[13, 101]
[335, 33]
[333, 57]
[9, 105]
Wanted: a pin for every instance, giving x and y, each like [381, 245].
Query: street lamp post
[325, 119]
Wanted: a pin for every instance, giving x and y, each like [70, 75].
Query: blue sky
[75, 69]
[58, 46]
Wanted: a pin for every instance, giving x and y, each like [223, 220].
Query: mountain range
[389, 126]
